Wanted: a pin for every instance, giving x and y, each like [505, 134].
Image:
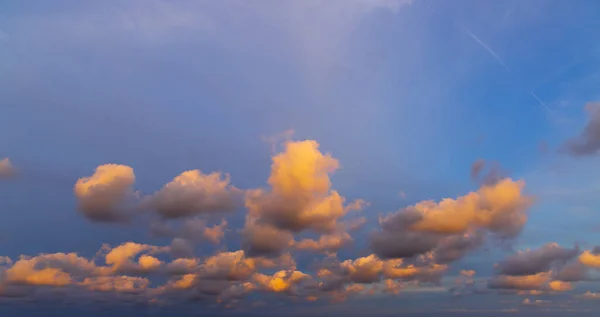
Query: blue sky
[405, 95]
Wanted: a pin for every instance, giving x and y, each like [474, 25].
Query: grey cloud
[588, 141]
[394, 245]
[535, 261]
[193, 193]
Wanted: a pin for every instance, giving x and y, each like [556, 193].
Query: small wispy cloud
[487, 48]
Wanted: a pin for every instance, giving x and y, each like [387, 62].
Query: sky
[306, 158]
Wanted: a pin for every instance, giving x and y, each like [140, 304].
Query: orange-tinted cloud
[6, 168]
[300, 199]
[281, 281]
[590, 259]
[452, 225]
[107, 195]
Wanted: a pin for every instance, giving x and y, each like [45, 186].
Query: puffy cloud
[57, 269]
[281, 281]
[455, 247]
[398, 269]
[264, 239]
[363, 270]
[107, 195]
[120, 258]
[530, 262]
[300, 199]
[149, 263]
[4, 260]
[183, 266]
[560, 286]
[26, 271]
[327, 243]
[523, 282]
[232, 266]
[498, 208]
[193, 193]
[588, 141]
[6, 168]
[590, 259]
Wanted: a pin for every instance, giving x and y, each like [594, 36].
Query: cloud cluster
[299, 212]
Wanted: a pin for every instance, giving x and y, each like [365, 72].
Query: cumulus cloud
[590, 259]
[107, 195]
[499, 209]
[530, 262]
[121, 258]
[6, 168]
[193, 193]
[300, 196]
[523, 282]
[588, 141]
[550, 268]
[281, 281]
[327, 243]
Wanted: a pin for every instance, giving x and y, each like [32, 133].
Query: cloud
[194, 193]
[589, 295]
[281, 281]
[326, 243]
[588, 141]
[590, 259]
[121, 258]
[192, 230]
[107, 195]
[522, 282]
[300, 199]
[25, 271]
[119, 284]
[183, 266]
[573, 272]
[6, 168]
[499, 209]
[530, 262]
[494, 173]
[560, 286]
[476, 168]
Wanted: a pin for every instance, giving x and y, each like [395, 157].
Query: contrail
[538, 99]
[487, 48]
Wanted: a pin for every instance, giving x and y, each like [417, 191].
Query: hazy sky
[307, 157]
